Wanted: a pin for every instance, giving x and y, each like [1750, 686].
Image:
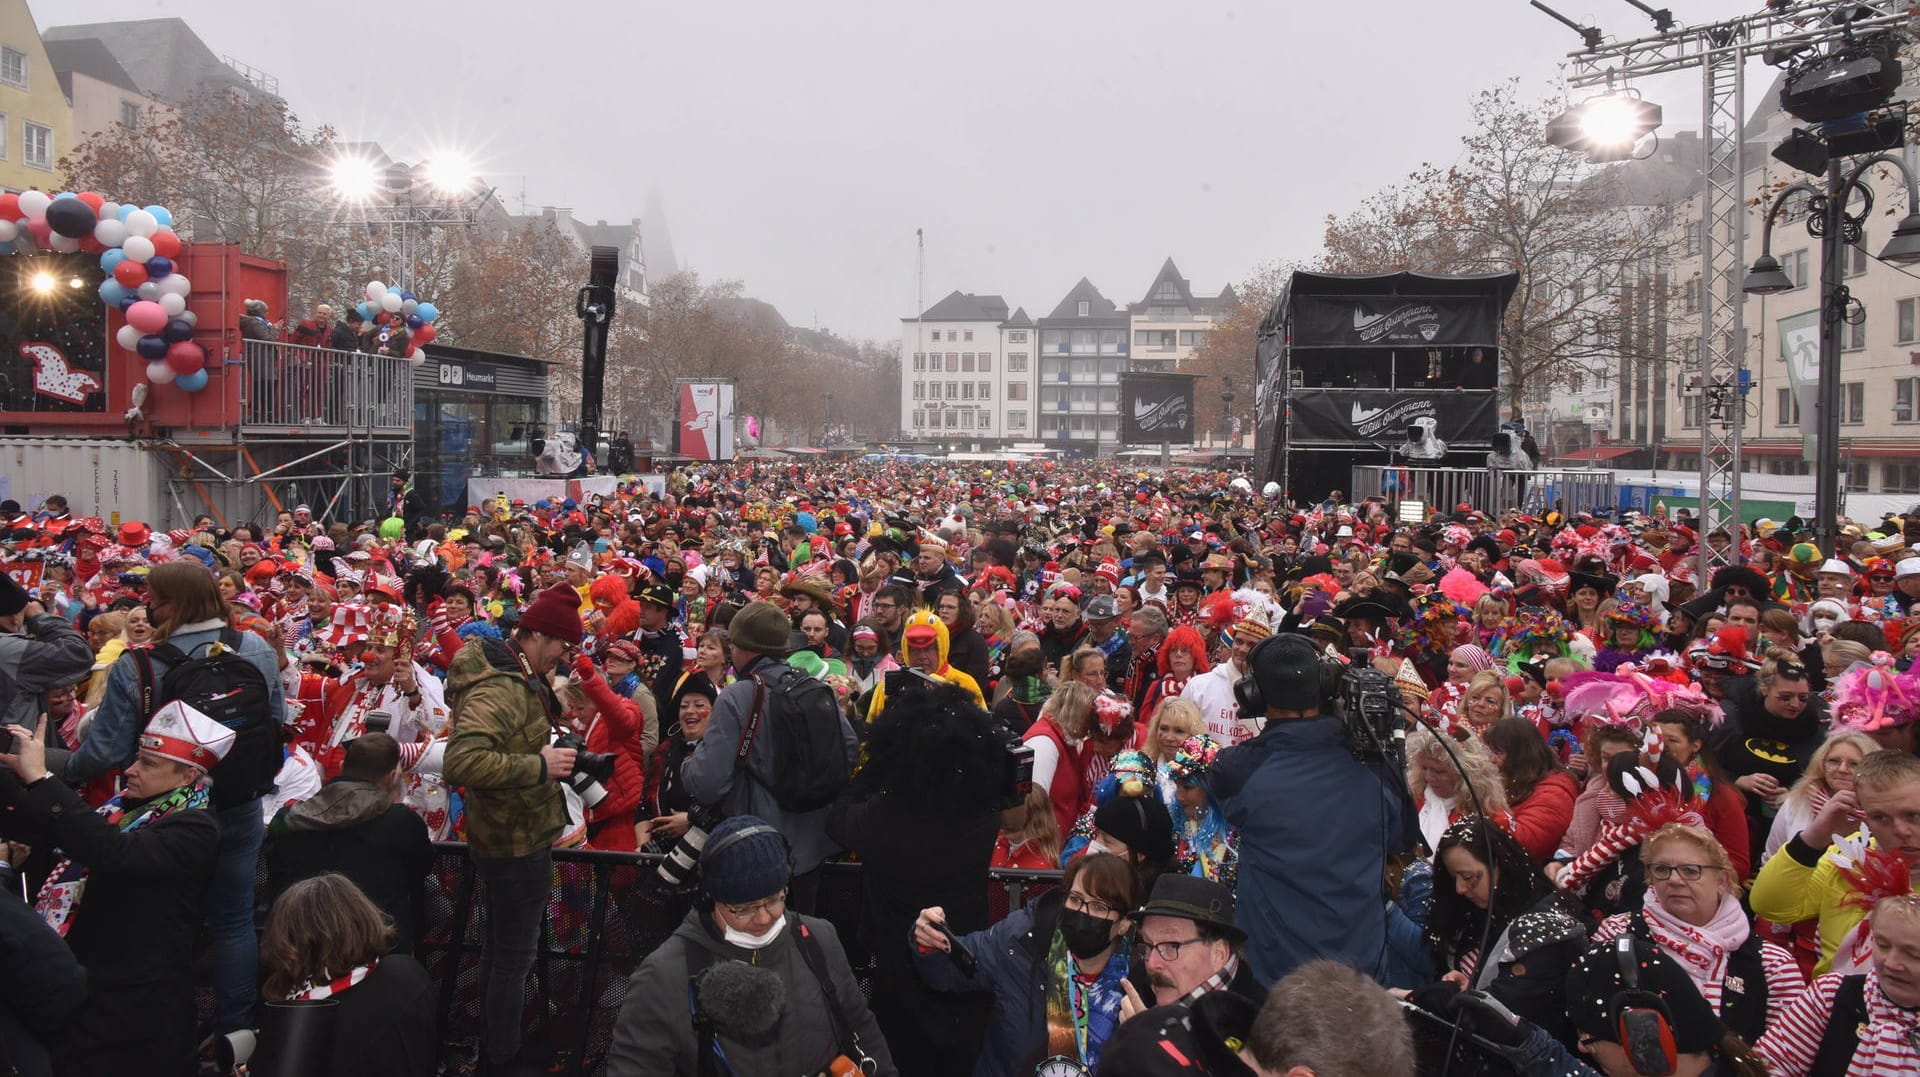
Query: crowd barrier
[605, 914]
[1490, 490]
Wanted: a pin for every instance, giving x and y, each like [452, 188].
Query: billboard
[1367, 321]
[1156, 408]
[703, 429]
[1341, 416]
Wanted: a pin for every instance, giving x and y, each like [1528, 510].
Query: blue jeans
[230, 917]
[516, 896]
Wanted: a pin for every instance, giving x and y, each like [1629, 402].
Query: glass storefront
[473, 418]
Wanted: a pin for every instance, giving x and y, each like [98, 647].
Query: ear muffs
[1642, 1023]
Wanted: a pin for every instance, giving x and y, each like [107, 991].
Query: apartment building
[1169, 322]
[1083, 349]
[967, 372]
[36, 118]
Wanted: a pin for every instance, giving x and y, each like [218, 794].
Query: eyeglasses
[775, 904]
[1689, 872]
[1166, 951]
[1091, 906]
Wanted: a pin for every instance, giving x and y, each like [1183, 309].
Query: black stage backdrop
[1349, 415]
[1367, 321]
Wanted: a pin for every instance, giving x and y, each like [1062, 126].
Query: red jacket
[1726, 814]
[1541, 820]
[618, 728]
[1068, 791]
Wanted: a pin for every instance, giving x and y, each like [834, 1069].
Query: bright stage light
[449, 173]
[354, 179]
[43, 283]
[1610, 127]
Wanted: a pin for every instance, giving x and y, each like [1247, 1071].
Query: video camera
[1368, 704]
[1016, 774]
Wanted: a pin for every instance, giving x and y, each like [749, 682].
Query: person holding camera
[745, 984]
[38, 651]
[503, 716]
[923, 815]
[1315, 823]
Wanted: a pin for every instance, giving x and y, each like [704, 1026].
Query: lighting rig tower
[1822, 36]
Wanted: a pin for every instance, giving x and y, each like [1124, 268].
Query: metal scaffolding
[1720, 51]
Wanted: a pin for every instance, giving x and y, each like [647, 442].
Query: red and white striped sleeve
[1614, 840]
[1792, 1039]
[1785, 983]
[1611, 928]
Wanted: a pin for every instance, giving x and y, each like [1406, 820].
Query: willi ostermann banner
[1800, 348]
[1156, 408]
[704, 428]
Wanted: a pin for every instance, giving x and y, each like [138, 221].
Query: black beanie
[1142, 822]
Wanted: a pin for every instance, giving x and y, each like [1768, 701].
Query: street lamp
[1837, 229]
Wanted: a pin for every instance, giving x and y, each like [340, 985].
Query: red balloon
[41, 231]
[91, 245]
[130, 274]
[185, 357]
[9, 207]
[93, 199]
[423, 335]
[166, 243]
[382, 318]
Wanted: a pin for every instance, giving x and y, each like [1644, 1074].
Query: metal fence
[1487, 489]
[291, 385]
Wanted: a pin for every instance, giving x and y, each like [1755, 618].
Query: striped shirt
[1889, 1042]
[1784, 982]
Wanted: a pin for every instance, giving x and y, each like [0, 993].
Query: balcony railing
[291, 387]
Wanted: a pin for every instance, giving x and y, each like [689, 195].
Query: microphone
[744, 1002]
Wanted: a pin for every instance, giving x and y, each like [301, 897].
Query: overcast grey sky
[798, 145]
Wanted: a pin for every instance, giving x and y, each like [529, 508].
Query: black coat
[386, 852]
[41, 985]
[967, 652]
[133, 931]
[384, 1026]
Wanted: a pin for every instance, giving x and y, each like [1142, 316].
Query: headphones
[1253, 699]
[1642, 1022]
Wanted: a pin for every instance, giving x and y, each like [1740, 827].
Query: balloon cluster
[137, 248]
[391, 306]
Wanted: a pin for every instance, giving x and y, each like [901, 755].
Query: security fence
[1487, 489]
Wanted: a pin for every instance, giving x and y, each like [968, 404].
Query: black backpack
[216, 681]
[809, 758]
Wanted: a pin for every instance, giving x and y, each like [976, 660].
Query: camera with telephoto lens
[591, 770]
[1368, 703]
[676, 868]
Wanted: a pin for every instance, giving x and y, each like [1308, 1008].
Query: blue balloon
[159, 266]
[427, 312]
[128, 300]
[63, 194]
[404, 296]
[127, 211]
[111, 257]
[112, 292]
[6, 246]
[152, 346]
[366, 310]
[161, 214]
[193, 382]
[414, 322]
[177, 330]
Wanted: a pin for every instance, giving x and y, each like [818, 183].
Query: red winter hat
[555, 612]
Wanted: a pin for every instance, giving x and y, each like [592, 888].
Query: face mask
[1085, 934]
[753, 942]
[1823, 624]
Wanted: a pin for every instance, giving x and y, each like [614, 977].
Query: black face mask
[1085, 934]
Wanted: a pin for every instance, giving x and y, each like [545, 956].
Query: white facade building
[966, 372]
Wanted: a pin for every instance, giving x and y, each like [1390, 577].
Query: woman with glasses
[1055, 969]
[1692, 917]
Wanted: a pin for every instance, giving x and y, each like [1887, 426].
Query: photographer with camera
[923, 815]
[504, 714]
[1316, 823]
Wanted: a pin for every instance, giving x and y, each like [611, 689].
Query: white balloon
[109, 210]
[190, 317]
[62, 244]
[175, 284]
[34, 203]
[9, 231]
[110, 233]
[390, 302]
[127, 337]
[158, 372]
[149, 289]
[172, 304]
[138, 248]
[375, 290]
[139, 223]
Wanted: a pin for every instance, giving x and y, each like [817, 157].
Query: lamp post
[1836, 229]
[1226, 413]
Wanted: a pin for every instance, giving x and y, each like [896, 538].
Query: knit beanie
[745, 859]
[554, 612]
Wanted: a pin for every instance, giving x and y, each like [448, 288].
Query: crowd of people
[1294, 782]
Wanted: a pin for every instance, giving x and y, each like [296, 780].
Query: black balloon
[177, 330]
[152, 346]
[72, 218]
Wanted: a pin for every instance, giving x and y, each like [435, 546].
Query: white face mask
[753, 942]
[1824, 624]
[1096, 846]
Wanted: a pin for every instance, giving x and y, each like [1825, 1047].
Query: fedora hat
[1190, 897]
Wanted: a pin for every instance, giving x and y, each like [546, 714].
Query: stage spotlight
[450, 173]
[1851, 80]
[354, 179]
[1609, 127]
[42, 283]
[76, 283]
